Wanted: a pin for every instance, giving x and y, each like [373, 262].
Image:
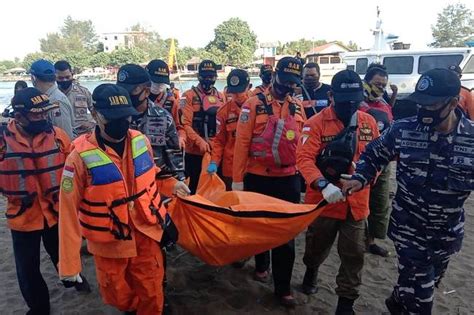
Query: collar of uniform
[12, 127]
[52, 89]
[330, 113]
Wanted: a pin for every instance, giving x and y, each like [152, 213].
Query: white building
[114, 41]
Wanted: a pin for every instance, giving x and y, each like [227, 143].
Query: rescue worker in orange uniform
[110, 197]
[331, 142]
[260, 166]
[266, 76]
[165, 97]
[174, 90]
[238, 84]
[200, 105]
[466, 96]
[32, 155]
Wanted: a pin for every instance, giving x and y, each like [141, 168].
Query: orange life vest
[22, 168]
[104, 210]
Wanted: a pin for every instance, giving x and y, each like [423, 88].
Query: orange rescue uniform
[252, 122]
[258, 89]
[318, 131]
[466, 101]
[31, 169]
[129, 271]
[223, 143]
[191, 105]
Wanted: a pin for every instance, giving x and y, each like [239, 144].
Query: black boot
[393, 306]
[344, 306]
[310, 279]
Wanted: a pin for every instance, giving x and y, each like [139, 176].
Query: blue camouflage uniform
[158, 125]
[435, 175]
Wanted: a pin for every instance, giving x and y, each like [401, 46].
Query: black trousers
[192, 169]
[283, 257]
[26, 248]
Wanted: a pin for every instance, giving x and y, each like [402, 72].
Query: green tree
[122, 56]
[32, 57]
[234, 43]
[454, 26]
[77, 31]
[78, 60]
[7, 64]
[75, 35]
[100, 59]
[184, 55]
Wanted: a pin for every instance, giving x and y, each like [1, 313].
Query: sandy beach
[195, 288]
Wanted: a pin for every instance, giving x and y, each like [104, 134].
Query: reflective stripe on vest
[102, 169]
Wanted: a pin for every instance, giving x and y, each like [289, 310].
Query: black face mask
[431, 118]
[64, 85]
[117, 128]
[153, 97]
[267, 78]
[37, 127]
[344, 111]
[207, 84]
[136, 99]
[282, 90]
[310, 82]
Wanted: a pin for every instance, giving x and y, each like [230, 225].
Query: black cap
[159, 71]
[456, 69]
[265, 69]
[31, 100]
[130, 76]
[435, 86]
[346, 86]
[112, 101]
[237, 81]
[289, 69]
[207, 68]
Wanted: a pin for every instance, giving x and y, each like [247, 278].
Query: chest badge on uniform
[290, 135]
[212, 99]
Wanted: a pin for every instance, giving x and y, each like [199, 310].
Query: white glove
[181, 189]
[238, 186]
[333, 194]
[76, 278]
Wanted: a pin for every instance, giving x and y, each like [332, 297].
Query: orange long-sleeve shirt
[466, 101]
[38, 215]
[70, 237]
[252, 122]
[318, 131]
[192, 104]
[223, 143]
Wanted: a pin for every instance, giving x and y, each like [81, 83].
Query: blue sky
[23, 23]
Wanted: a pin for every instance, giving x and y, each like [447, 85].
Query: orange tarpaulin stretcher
[222, 227]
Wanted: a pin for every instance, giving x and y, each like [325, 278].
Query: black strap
[263, 99]
[32, 155]
[25, 173]
[26, 203]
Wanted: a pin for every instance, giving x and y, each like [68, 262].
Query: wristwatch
[322, 183]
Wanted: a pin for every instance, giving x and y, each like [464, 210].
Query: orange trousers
[133, 284]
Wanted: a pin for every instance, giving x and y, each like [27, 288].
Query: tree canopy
[454, 26]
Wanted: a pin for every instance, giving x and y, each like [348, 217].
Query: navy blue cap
[31, 100]
[131, 75]
[456, 69]
[237, 81]
[207, 68]
[346, 86]
[159, 71]
[436, 86]
[289, 70]
[112, 101]
[43, 69]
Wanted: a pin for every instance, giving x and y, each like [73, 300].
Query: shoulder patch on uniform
[244, 117]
